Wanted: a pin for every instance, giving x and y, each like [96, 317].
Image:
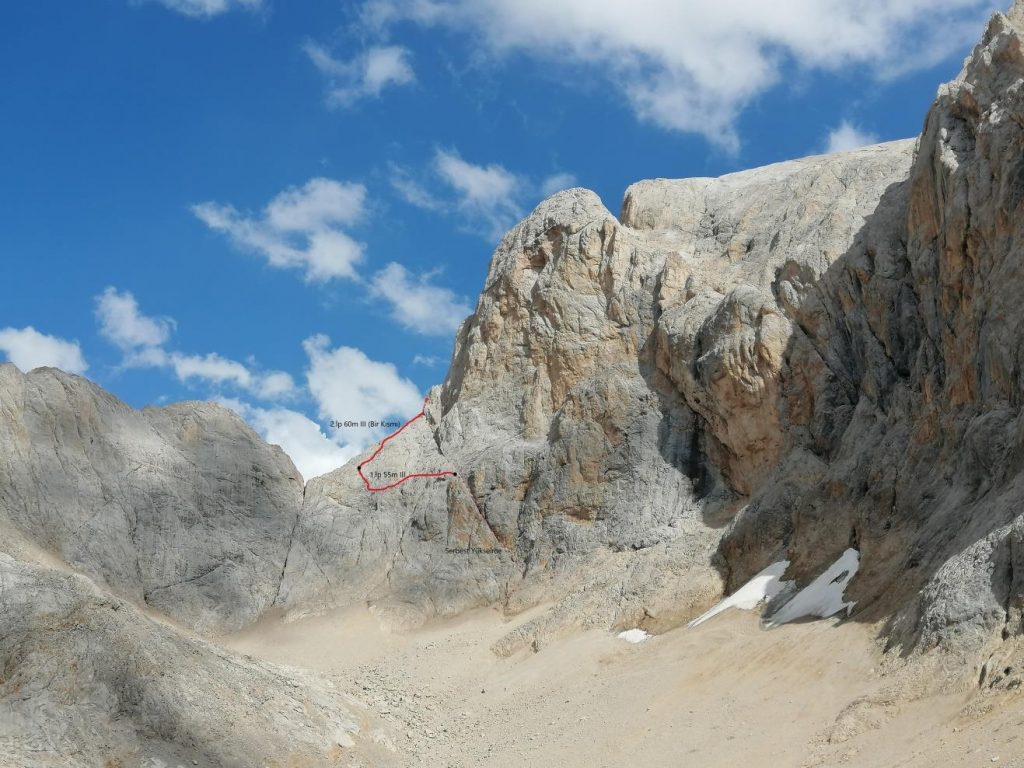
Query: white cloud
[142, 340]
[426, 360]
[344, 383]
[319, 204]
[299, 228]
[275, 385]
[487, 193]
[314, 212]
[489, 198]
[556, 183]
[205, 9]
[27, 348]
[415, 193]
[363, 77]
[122, 324]
[847, 136]
[210, 367]
[312, 452]
[418, 305]
[692, 66]
[348, 385]
[214, 369]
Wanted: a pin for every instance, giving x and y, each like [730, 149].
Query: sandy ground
[727, 693]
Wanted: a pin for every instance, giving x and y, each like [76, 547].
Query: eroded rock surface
[183, 507]
[87, 680]
[777, 364]
[612, 401]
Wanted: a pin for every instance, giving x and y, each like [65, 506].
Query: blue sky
[290, 206]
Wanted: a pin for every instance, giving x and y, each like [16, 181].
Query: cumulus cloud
[274, 385]
[27, 348]
[418, 305]
[364, 76]
[345, 385]
[485, 192]
[299, 229]
[313, 452]
[125, 326]
[205, 9]
[348, 385]
[847, 136]
[142, 341]
[211, 368]
[488, 198]
[342, 383]
[319, 204]
[690, 66]
[415, 192]
[556, 183]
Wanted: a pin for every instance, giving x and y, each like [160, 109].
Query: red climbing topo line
[380, 448]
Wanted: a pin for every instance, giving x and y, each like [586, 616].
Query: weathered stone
[183, 507]
[86, 680]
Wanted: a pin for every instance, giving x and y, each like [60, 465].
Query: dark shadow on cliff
[682, 442]
[871, 461]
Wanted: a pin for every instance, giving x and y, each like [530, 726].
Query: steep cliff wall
[907, 370]
[611, 402]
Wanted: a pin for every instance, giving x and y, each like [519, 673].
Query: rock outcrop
[777, 364]
[87, 680]
[183, 508]
[611, 401]
[908, 368]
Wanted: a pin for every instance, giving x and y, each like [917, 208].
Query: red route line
[380, 448]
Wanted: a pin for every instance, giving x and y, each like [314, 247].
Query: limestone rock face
[183, 507]
[611, 402]
[755, 243]
[618, 384]
[955, 377]
[904, 380]
[780, 363]
[87, 680]
[420, 549]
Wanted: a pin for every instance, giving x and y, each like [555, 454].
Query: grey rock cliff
[183, 507]
[611, 402]
[779, 363]
[907, 367]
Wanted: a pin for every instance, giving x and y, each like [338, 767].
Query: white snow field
[764, 586]
[823, 597]
[633, 635]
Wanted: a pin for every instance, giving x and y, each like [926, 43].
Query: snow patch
[633, 636]
[823, 597]
[763, 586]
